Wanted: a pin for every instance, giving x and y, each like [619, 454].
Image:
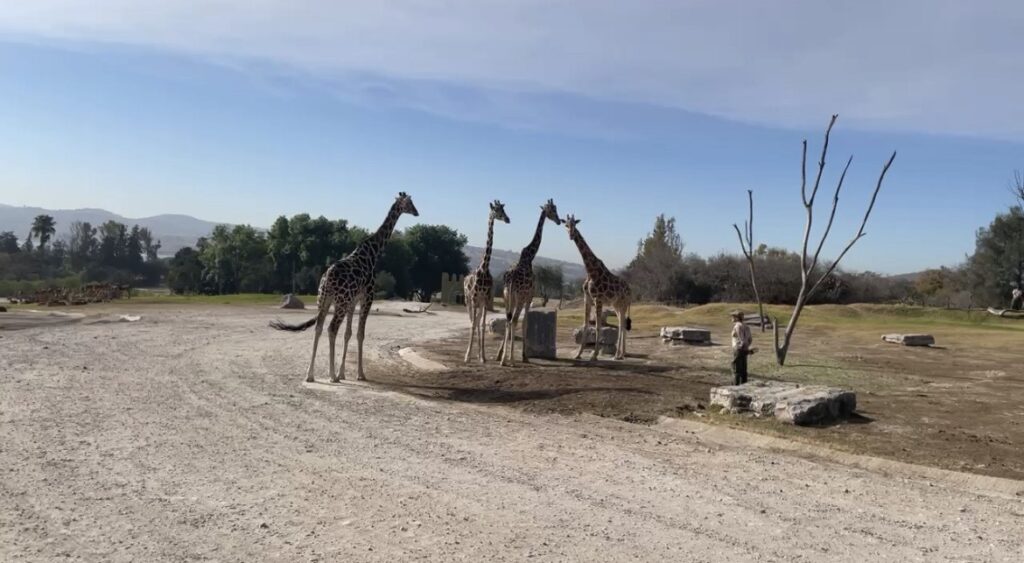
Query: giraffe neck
[530, 251]
[485, 263]
[592, 263]
[373, 245]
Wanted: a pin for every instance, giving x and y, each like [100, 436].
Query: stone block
[292, 302]
[910, 339]
[609, 337]
[542, 334]
[496, 326]
[787, 402]
[542, 329]
[688, 335]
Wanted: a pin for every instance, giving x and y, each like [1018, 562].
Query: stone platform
[789, 402]
[609, 337]
[910, 339]
[685, 335]
[541, 332]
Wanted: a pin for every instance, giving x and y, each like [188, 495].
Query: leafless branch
[860, 232]
[832, 215]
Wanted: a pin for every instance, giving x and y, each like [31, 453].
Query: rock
[3, 309]
[787, 402]
[609, 337]
[910, 339]
[496, 326]
[542, 334]
[290, 301]
[688, 335]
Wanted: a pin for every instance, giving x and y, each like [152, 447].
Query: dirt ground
[959, 406]
[188, 435]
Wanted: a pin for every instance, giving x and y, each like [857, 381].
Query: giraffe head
[551, 212]
[570, 224]
[498, 211]
[405, 204]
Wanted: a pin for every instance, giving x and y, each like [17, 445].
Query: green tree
[134, 253]
[655, 274]
[997, 265]
[82, 246]
[149, 248]
[43, 228]
[437, 249]
[549, 282]
[9, 242]
[395, 261]
[185, 273]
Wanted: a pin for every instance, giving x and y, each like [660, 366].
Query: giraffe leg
[586, 319]
[472, 307]
[364, 313]
[597, 329]
[508, 322]
[332, 336]
[483, 327]
[320, 316]
[344, 346]
[620, 343]
[526, 315]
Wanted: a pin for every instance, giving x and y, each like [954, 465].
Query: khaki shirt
[741, 337]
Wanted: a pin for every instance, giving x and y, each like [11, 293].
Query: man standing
[741, 341]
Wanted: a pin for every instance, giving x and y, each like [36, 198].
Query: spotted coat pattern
[479, 285]
[518, 291]
[601, 287]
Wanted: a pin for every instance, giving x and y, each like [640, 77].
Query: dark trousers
[739, 366]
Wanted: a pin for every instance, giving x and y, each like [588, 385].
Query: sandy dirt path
[189, 436]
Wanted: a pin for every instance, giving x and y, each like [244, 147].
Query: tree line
[663, 272]
[292, 255]
[110, 252]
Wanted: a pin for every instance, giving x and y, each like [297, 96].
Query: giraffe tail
[629, 324]
[279, 325]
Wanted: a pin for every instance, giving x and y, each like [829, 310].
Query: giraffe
[479, 284]
[600, 287]
[519, 287]
[346, 282]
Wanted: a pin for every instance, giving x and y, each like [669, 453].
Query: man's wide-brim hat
[736, 314]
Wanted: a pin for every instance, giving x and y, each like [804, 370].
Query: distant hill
[177, 231]
[173, 231]
[501, 260]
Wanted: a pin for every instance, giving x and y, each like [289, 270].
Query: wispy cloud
[918, 65]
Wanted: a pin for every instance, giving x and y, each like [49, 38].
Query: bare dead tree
[809, 263]
[747, 245]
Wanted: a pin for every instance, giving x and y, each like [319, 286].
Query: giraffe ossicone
[347, 282]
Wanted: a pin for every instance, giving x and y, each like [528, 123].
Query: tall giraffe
[479, 284]
[600, 287]
[347, 282]
[519, 287]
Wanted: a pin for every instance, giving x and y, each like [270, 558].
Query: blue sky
[239, 112]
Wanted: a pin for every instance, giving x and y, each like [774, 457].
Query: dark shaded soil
[938, 407]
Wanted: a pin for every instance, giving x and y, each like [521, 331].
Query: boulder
[496, 326]
[687, 335]
[910, 339]
[290, 301]
[542, 334]
[787, 402]
[3, 309]
[609, 337]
